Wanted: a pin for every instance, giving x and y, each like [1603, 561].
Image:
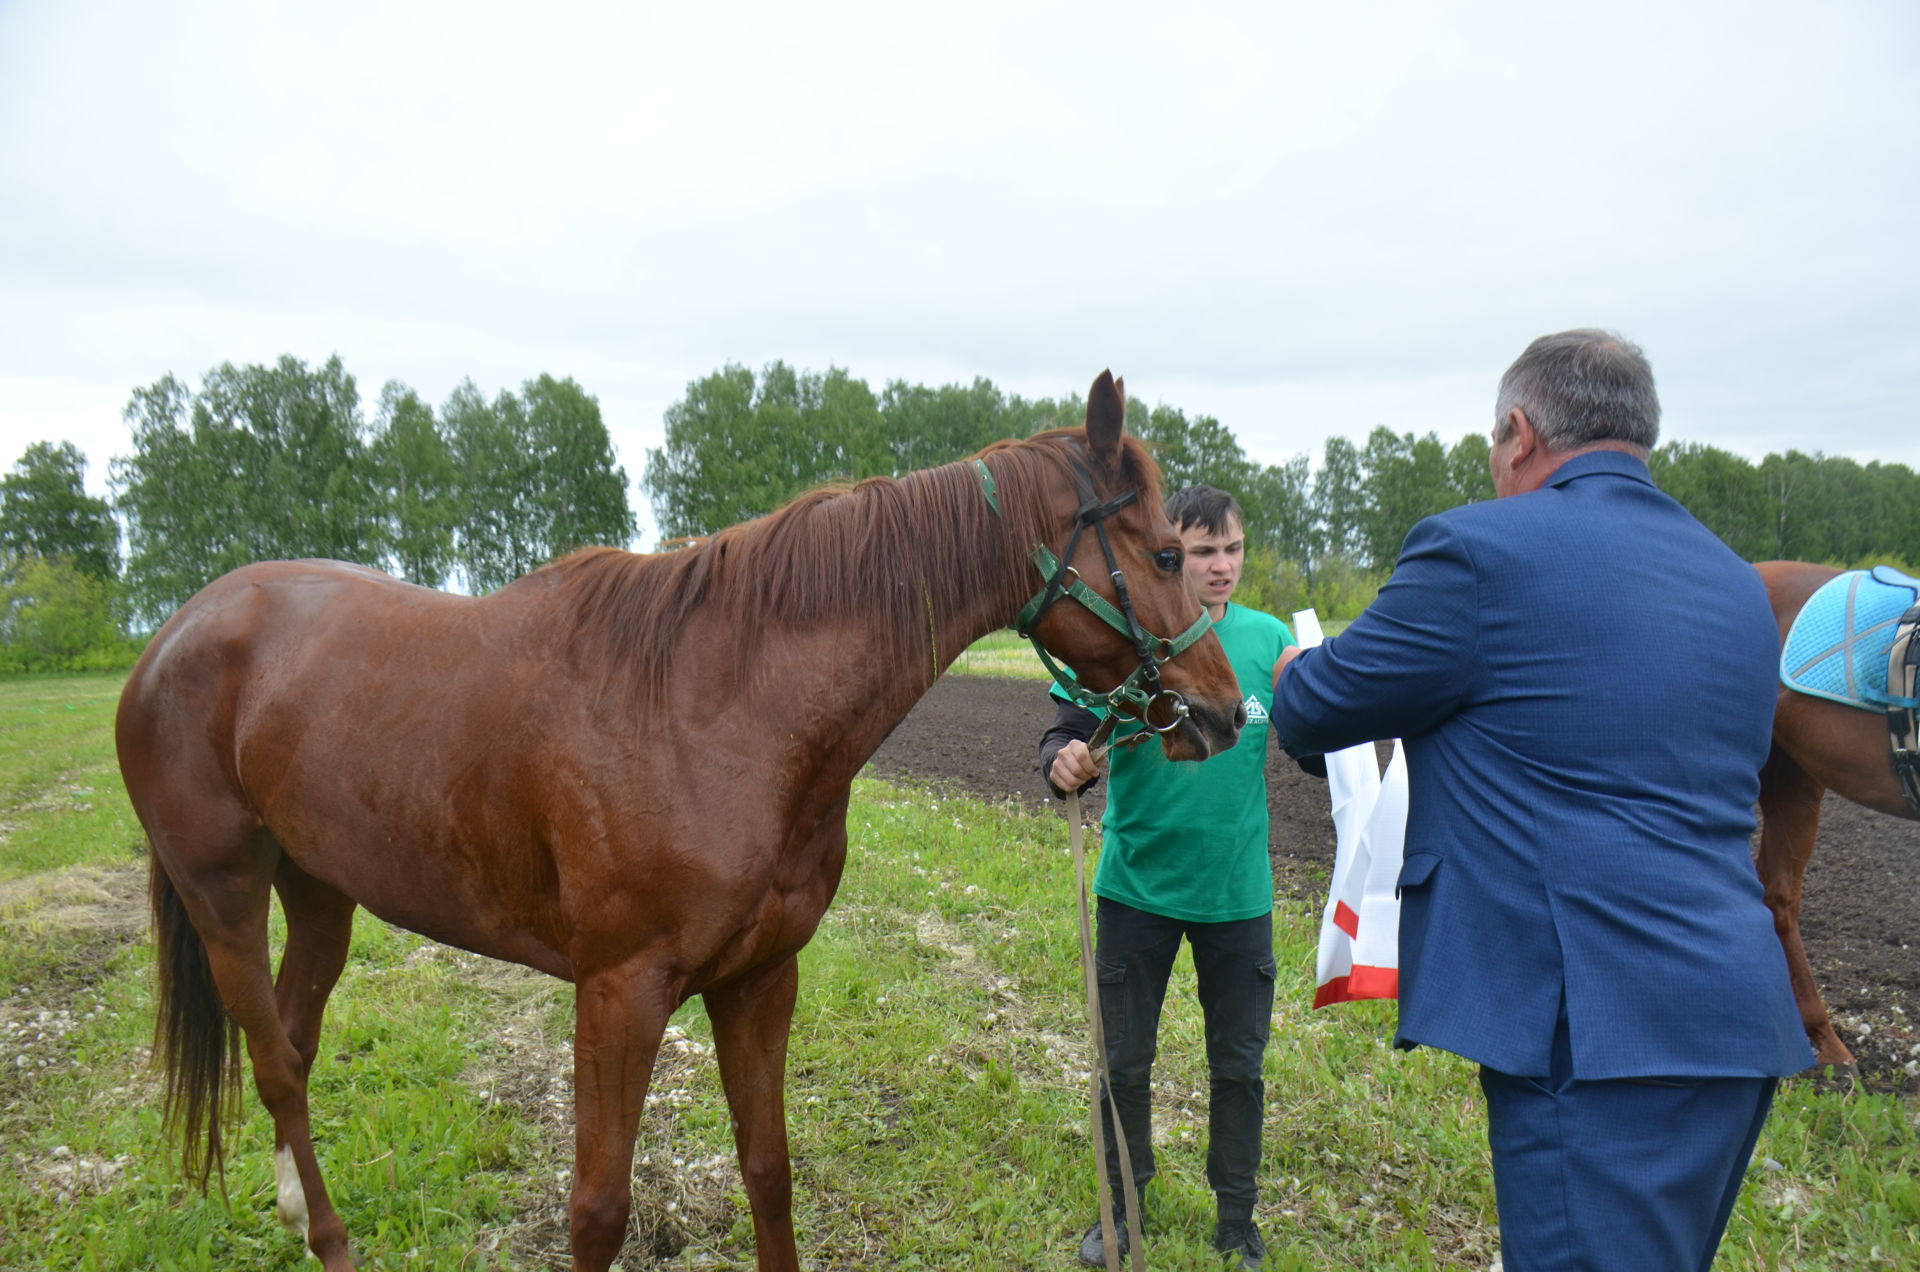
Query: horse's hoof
[1843, 1077]
[1828, 1050]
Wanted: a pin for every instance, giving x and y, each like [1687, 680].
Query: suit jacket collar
[1612, 462]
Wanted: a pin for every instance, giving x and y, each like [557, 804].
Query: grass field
[936, 1083]
[1001, 653]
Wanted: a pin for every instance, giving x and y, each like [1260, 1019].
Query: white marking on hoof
[292, 1201]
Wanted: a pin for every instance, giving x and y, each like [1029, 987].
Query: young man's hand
[1073, 767]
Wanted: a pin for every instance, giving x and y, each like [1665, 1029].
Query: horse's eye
[1168, 559]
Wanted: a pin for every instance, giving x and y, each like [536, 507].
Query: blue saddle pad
[1839, 642]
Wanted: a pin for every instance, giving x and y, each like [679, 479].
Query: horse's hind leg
[319, 930]
[226, 891]
[752, 1018]
[1789, 824]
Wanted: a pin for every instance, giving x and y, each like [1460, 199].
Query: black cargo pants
[1233, 962]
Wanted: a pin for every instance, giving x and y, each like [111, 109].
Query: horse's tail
[195, 1042]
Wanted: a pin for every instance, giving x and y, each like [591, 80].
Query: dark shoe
[1240, 1241]
[1093, 1250]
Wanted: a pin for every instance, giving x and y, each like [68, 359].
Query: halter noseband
[1135, 695]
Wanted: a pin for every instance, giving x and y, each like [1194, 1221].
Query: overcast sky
[1304, 219]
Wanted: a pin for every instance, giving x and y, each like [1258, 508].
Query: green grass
[936, 1092]
[61, 798]
[1001, 653]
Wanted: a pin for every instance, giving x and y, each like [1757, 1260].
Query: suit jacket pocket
[1416, 873]
[1417, 870]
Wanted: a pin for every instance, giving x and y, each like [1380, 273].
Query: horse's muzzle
[1207, 730]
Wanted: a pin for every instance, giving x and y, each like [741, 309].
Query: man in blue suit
[1584, 677]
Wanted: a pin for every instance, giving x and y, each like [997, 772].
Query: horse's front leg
[1789, 824]
[751, 1021]
[619, 1015]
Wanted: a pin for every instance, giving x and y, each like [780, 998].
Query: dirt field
[1861, 915]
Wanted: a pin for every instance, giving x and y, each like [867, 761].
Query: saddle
[1857, 642]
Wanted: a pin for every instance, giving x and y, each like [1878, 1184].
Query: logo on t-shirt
[1256, 714]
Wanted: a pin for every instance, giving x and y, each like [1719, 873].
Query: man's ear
[1523, 438]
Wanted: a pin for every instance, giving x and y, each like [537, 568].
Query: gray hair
[1580, 387]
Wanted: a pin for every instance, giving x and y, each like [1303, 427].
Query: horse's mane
[884, 553]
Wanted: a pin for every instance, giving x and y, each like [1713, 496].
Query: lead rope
[1100, 1076]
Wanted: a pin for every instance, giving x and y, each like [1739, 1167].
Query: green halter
[1134, 695]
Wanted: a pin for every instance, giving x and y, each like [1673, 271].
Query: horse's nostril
[1240, 715]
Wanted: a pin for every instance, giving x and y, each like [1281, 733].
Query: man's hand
[1287, 655]
[1073, 767]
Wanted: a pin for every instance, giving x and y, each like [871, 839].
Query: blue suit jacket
[1584, 678]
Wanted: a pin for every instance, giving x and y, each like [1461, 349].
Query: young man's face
[1213, 562]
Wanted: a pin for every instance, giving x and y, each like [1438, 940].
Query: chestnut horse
[1818, 746]
[631, 772]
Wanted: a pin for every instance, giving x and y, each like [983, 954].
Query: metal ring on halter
[1179, 708]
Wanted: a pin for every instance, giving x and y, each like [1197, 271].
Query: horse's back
[300, 596]
[272, 623]
[1789, 585]
[1841, 747]
[282, 657]
[380, 733]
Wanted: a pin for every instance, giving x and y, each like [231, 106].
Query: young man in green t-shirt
[1184, 855]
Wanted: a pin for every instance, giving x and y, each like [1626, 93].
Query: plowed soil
[1861, 916]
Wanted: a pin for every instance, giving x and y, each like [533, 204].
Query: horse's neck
[878, 686]
[952, 625]
[837, 677]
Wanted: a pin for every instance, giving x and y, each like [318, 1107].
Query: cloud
[1303, 219]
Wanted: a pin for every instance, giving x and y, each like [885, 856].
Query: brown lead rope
[1100, 1076]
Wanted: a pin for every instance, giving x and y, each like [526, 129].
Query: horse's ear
[1106, 417]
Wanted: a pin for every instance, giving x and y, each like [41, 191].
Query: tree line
[263, 462]
[272, 462]
[739, 445]
[1322, 534]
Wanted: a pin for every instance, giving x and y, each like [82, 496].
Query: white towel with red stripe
[1360, 927]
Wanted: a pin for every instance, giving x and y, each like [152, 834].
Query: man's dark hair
[1206, 506]
[1580, 387]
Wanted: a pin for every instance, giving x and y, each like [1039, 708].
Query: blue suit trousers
[1627, 1175]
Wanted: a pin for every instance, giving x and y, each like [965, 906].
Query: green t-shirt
[1189, 840]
